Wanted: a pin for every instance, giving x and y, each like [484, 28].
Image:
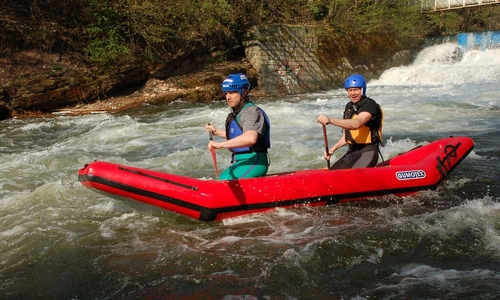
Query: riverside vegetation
[55, 53]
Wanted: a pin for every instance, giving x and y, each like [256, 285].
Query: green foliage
[40, 24]
[400, 18]
[111, 30]
[318, 9]
[106, 48]
[106, 31]
[163, 27]
[475, 18]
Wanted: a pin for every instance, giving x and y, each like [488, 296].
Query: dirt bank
[156, 92]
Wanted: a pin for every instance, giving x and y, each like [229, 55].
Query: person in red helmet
[246, 134]
[362, 127]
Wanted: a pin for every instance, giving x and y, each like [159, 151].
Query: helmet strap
[244, 94]
[244, 99]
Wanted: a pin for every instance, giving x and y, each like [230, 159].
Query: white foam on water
[46, 215]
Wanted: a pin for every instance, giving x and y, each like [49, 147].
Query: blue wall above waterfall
[470, 40]
[479, 40]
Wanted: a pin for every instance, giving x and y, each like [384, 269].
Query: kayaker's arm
[348, 124]
[248, 138]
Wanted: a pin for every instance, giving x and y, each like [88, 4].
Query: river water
[59, 240]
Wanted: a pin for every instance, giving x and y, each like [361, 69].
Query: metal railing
[439, 5]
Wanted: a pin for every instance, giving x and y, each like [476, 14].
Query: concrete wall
[479, 40]
[302, 59]
[285, 59]
[470, 40]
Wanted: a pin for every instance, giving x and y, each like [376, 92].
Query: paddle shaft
[214, 157]
[325, 137]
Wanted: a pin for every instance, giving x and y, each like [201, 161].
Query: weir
[442, 5]
[479, 40]
[470, 40]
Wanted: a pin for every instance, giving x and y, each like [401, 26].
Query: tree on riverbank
[102, 32]
[55, 53]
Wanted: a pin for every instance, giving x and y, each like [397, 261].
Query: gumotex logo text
[407, 175]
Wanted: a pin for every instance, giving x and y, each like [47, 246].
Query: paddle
[325, 137]
[214, 158]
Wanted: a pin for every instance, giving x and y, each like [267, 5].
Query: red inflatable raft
[419, 169]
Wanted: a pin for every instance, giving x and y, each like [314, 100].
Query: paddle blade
[214, 158]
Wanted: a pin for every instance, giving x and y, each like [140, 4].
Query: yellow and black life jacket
[371, 132]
